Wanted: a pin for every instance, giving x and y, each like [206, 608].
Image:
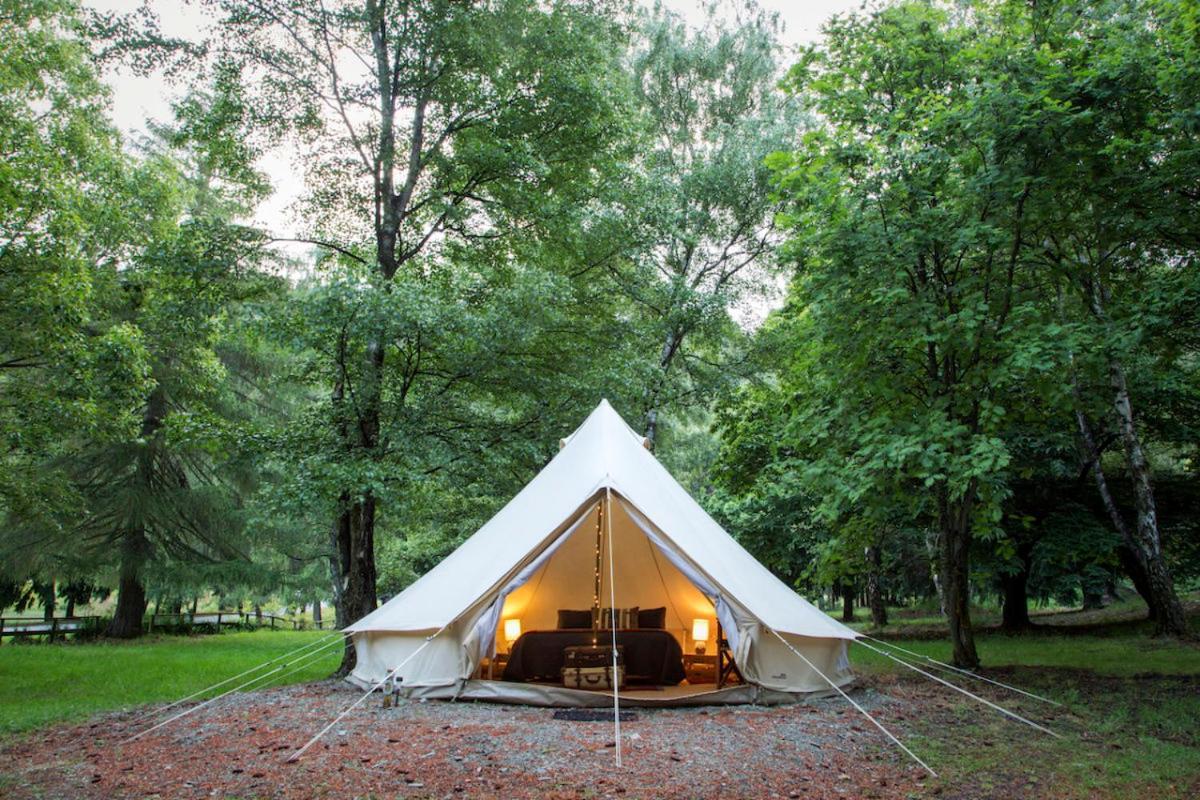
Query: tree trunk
[131, 594]
[49, 600]
[358, 596]
[875, 587]
[1128, 552]
[70, 606]
[316, 613]
[195, 602]
[665, 359]
[933, 546]
[955, 523]
[1169, 614]
[1015, 614]
[847, 602]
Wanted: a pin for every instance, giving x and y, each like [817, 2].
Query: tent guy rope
[296, 755]
[218, 684]
[227, 692]
[961, 671]
[850, 700]
[961, 690]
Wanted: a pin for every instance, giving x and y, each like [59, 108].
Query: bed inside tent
[574, 595]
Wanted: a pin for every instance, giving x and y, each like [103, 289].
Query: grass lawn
[1129, 719]
[44, 683]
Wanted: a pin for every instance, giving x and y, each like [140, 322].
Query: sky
[137, 100]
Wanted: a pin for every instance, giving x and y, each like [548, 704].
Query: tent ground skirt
[550, 696]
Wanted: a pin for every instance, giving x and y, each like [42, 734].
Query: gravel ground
[238, 748]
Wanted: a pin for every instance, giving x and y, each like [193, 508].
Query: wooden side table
[494, 670]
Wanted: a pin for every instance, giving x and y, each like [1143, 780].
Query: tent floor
[548, 695]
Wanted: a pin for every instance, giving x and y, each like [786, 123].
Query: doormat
[592, 715]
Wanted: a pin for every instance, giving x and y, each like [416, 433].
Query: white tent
[538, 555]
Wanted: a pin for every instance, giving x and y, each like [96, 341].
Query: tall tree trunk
[955, 523]
[665, 358]
[127, 617]
[933, 547]
[49, 600]
[70, 606]
[1128, 552]
[1169, 614]
[317, 613]
[195, 602]
[1015, 613]
[875, 586]
[135, 547]
[847, 602]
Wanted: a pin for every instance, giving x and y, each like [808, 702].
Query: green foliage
[698, 201]
[63, 226]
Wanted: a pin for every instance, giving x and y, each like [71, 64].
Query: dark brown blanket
[651, 656]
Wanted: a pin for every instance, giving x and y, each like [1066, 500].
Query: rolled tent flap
[725, 613]
[481, 642]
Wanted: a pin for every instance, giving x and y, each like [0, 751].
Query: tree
[700, 196]
[64, 225]
[1120, 80]
[909, 216]
[439, 122]
[165, 488]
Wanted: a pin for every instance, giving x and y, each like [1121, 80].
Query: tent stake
[294, 756]
[961, 690]
[962, 671]
[850, 700]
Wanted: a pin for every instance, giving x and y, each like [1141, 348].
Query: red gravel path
[238, 748]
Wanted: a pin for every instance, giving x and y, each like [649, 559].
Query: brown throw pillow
[653, 617]
[569, 619]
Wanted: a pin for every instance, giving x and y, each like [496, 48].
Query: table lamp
[700, 635]
[512, 631]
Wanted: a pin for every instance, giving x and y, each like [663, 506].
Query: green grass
[1129, 720]
[44, 683]
[1103, 655]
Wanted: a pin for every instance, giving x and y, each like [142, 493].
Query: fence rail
[60, 626]
[55, 627]
[219, 618]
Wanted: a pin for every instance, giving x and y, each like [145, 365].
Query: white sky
[136, 99]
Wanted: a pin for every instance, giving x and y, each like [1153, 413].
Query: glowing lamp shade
[512, 630]
[700, 634]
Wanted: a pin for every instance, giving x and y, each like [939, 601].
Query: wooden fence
[54, 628]
[61, 626]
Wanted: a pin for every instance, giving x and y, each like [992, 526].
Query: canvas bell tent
[603, 525]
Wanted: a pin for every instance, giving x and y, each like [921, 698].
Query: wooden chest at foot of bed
[599, 678]
[592, 656]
